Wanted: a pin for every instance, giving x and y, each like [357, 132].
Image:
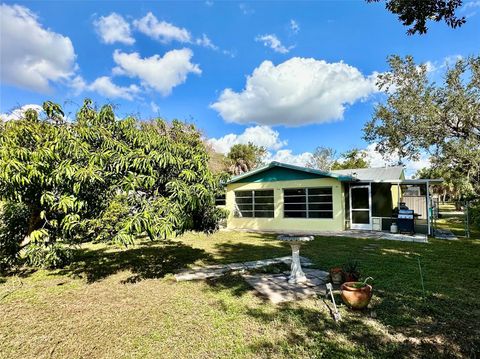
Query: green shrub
[112, 220]
[474, 214]
[13, 229]
[48, 256]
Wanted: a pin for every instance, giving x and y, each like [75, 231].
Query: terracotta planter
[336, 274]
[356, 298]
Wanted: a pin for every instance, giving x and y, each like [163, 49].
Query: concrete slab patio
[213, 271]
[274, 287]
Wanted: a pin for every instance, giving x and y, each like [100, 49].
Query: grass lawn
[114, 303]
[455, 221]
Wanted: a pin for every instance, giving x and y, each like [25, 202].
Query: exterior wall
[396, 194]
[281, 224]
[382, 200]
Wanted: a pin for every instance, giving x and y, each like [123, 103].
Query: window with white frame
[255, 203]
[314, 202]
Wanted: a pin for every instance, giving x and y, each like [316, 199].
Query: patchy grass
[119, 303]
[454, 220]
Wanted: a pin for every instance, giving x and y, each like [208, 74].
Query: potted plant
[336, 274]
[351, 271]
[357, 295]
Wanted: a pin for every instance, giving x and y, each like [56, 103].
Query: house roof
[282, 171]
[373, 174]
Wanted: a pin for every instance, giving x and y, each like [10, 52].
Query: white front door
[360, 207]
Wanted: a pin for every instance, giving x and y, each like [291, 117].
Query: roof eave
[272, 164]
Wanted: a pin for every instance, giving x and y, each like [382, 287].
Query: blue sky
[287, 75]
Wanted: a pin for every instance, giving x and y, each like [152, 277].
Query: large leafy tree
[104, 178]
[416, 13]
[244, 157]
[449, 189]
[322, 158]
[443, 119]
[354, 158]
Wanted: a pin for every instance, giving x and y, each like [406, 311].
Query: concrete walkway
[355, 233]
[274, 287]
[445, 234]
[213, 271]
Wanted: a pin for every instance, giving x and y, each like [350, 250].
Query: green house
[284, 198]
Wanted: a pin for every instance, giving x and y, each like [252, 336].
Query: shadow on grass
[266, 247]
[146, 260]
[405, 322]
[310, 331]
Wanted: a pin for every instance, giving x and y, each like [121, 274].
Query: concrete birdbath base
[296, 241]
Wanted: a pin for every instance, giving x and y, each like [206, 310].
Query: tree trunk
[34, 223]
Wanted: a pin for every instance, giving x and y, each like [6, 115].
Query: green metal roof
[276, 171]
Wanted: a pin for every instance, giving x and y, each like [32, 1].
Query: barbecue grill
[406, 220]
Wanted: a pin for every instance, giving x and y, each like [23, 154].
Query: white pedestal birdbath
[296, 241]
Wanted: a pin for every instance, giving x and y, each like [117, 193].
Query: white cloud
[272, 41]
[471, 4]
[159, 73]
[294, 26]
[446, 62]
[411, 166]
[113, 28]
[206, 42]
[471, 7]
[166, 32]
[209, 2]
[287, 156]
[245, 9]
[162, 31]
[31, 56]
[261, 136]
[77, 84]
[155, 108]
[296, 92]
[19, 112]
[105, 87]
[258, 135]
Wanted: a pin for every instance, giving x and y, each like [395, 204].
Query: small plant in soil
[351, 271]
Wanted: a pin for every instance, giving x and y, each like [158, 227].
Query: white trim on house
[367, 226]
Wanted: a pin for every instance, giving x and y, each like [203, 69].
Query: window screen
[308, 202]
[258, 203]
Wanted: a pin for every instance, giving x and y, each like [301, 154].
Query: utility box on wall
[377, 223]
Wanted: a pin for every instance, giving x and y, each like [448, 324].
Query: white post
[427, 184]
[398, 195]
[296, 275]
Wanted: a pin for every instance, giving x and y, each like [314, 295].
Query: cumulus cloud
[296, 92]
[272, 41]
[105, 87]
[18, 113]
[287, 156]
[411, 166]
[246, 9]
[294, 26]
[162, 31]
[32, 56]
[159, 73]
[261, 136]
[206, 42]
[446, 62]
[155, 108]
[258, 135]
[113, 28]
[166, 32]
